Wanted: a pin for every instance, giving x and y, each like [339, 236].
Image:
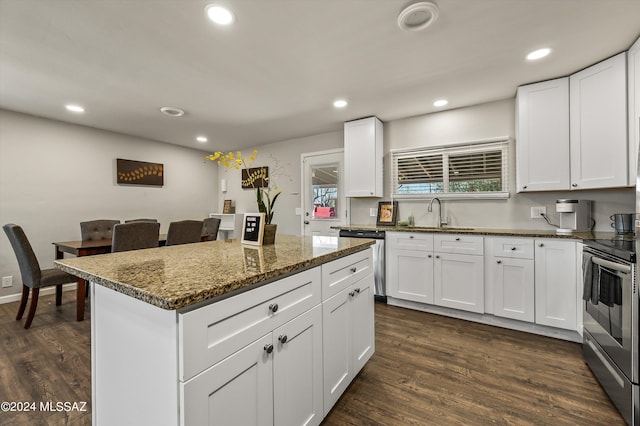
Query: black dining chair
[100, 229]
[33, 278]
[140, 220]
[210, 227]
[135, 236]
[184, 232]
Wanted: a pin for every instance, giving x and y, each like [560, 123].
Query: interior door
[324, 203]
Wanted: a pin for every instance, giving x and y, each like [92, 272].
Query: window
[472, 170]
[324, 180]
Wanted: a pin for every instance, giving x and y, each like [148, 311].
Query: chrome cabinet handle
[513, 249]
[411, 237]
[357, 290]
[437, 257]
[429, 256]
[540, 245]
[268, 348]
[574, 184]
[282, 338]
[353, 270]
[524, 187]
[458, 239]
[352, 293]
[499, 262]
[273, 307]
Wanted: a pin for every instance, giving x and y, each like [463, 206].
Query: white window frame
[503, 143]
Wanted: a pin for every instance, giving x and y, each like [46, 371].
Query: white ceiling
[274, 74]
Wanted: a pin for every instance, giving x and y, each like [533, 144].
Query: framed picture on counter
[387, 213]
[253, 228]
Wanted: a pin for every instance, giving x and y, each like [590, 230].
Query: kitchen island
[224, 333]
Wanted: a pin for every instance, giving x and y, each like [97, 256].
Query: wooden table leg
[80, 293]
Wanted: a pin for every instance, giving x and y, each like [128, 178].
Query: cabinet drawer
[410, 240]
[341, 273]
[459, 244]
[213, 332]
[518, 248]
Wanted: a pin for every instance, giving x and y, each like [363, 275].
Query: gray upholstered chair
[135, 236]
[140, 220]
[210, 228]
[101, 229]
[33, 278]
[184, 232]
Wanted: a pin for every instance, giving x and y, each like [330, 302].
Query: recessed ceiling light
[440, 102]
[538, 54]
[202, 139]
[340, 103]
[220, 15]
[418, 16]
[173, 112]
[74, 108]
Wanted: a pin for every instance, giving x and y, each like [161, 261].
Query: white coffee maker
[575, 216]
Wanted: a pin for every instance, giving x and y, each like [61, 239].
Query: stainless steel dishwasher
[378, 258]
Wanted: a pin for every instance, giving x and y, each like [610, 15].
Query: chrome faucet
[430, 209]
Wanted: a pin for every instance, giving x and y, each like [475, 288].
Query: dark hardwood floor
[427, 370]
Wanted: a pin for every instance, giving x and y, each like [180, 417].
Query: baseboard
[557, 333]
[48, 290]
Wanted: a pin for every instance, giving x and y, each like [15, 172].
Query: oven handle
[611, 265]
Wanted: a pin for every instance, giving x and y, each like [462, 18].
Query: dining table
[88, 248]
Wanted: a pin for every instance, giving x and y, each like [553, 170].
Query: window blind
[472, 170]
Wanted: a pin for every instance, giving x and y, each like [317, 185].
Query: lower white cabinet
[409, 264]
[349, 339]
[459, 281]
[556, 283]
[510, 271]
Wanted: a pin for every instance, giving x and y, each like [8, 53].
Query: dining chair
[135, 236]
[210, 228]
[184, 232]
[33, 278]
[100, 229]
[140, 220]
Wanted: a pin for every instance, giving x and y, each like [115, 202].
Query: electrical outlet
[537, 212]
[373, 212]
[7, 281]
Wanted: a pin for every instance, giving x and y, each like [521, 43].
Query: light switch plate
[7, 281]
[536, 212]
[298, 211]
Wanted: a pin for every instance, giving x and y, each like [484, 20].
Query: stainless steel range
[611, 320]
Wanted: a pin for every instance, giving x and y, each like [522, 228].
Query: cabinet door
[459, 281]
[235, 391]
[542, 136]
[363, 157]
[336, 348]
[598, 117]
[410, 275]
[362, 323]
[633, 87]
[513, 288]
[555, 283]
[297, 371]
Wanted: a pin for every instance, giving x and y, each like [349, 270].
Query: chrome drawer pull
[282, 338]
[353, 270]
[273, 307]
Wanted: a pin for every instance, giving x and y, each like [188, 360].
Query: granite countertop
[179, 276]
[534, 233]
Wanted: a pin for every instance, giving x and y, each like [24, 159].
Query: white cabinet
[510, 272]
[230, 225]
[598, 125]
[542, 136]
[349, 339]
[633, 86]
[556, 283]
[363, 157]
[409, 264]
[459, 278]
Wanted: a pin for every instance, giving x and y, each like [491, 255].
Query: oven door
[610, 308]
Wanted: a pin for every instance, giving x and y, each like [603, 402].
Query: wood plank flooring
[427, 370]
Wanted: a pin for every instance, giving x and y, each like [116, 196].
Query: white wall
[283, 158]
[54, 175]
[474, 123]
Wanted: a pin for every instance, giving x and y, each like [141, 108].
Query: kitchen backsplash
[514, 212]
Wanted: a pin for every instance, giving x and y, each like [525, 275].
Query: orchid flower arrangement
[265, 197]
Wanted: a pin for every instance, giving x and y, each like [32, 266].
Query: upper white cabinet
[633, 79]
[363, 157]
[598, 125]
[542, 129]
[571, 133]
